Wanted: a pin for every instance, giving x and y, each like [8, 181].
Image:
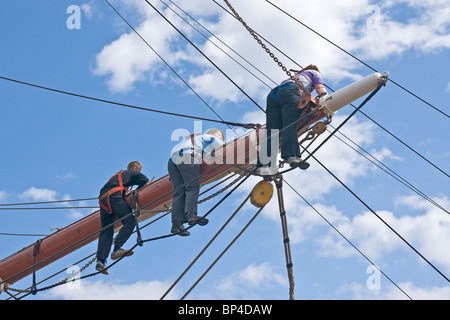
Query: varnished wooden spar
[154, 196]
[237, 155]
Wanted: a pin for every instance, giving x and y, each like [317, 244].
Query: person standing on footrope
[282, 111]
[184, 173]
[112, 202]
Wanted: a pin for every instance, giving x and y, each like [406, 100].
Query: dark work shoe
[303, 165]
[101, 268]
[193, 219]
[119, 253]
[297, 162]
[178, 228]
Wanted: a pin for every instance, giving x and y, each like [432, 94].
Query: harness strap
[108, 193]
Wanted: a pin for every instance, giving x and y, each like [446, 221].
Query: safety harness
[108, 193]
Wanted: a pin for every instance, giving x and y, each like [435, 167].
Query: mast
[235, 156]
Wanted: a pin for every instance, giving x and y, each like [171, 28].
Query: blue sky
[57, 147]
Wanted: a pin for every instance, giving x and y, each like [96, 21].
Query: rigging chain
[263, 45]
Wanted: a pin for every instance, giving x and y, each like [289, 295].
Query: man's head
[216, 132]
[135, 166]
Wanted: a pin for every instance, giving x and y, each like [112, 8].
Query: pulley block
[319, 128]
[261, 194]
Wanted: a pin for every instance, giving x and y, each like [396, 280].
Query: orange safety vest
[107, 194]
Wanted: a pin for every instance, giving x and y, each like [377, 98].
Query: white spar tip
[342, 97]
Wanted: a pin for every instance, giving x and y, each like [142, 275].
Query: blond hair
[214, 130]
[135, 166]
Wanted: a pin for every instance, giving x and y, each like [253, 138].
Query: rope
[255, 36]
[345, 238]
[222, 253]
[206, 247]
[382, 220]
[310, 154]
[310, 114]
[214, 44]
[37, 245]
[135, 213]
[357, 59]
[120, 219]
[138, 242]
[287, 247]
[244, 125]
[204, 55]
[364, 114]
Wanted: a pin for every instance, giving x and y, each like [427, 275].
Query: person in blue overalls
[184, 173]
[282, 110]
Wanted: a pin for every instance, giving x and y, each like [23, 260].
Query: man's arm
[320, 89]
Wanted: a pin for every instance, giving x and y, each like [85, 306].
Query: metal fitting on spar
[342, 97]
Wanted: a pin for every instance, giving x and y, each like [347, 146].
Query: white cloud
[420, 222]
[128, 60]
[66, 176]
[43, 194]
[427, 232]
[3, 195]
[109, 290]
[344, 162]
[425, 30]
[361, 292]
[420, 293]
[88, 10]
[384, 153]
[243, 284]
[37, 194]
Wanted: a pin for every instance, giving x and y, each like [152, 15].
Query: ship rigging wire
[206, 120]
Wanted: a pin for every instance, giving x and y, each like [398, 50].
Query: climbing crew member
[112, 202]
[282, 110]
[184, 173]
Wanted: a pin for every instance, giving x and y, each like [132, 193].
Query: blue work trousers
[120, 208]
[281, 113]
[185, 178]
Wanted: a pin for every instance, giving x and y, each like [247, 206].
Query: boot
[297, 162]
[101, 268]
[119, 253]
[192, 219]
[178, 228]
